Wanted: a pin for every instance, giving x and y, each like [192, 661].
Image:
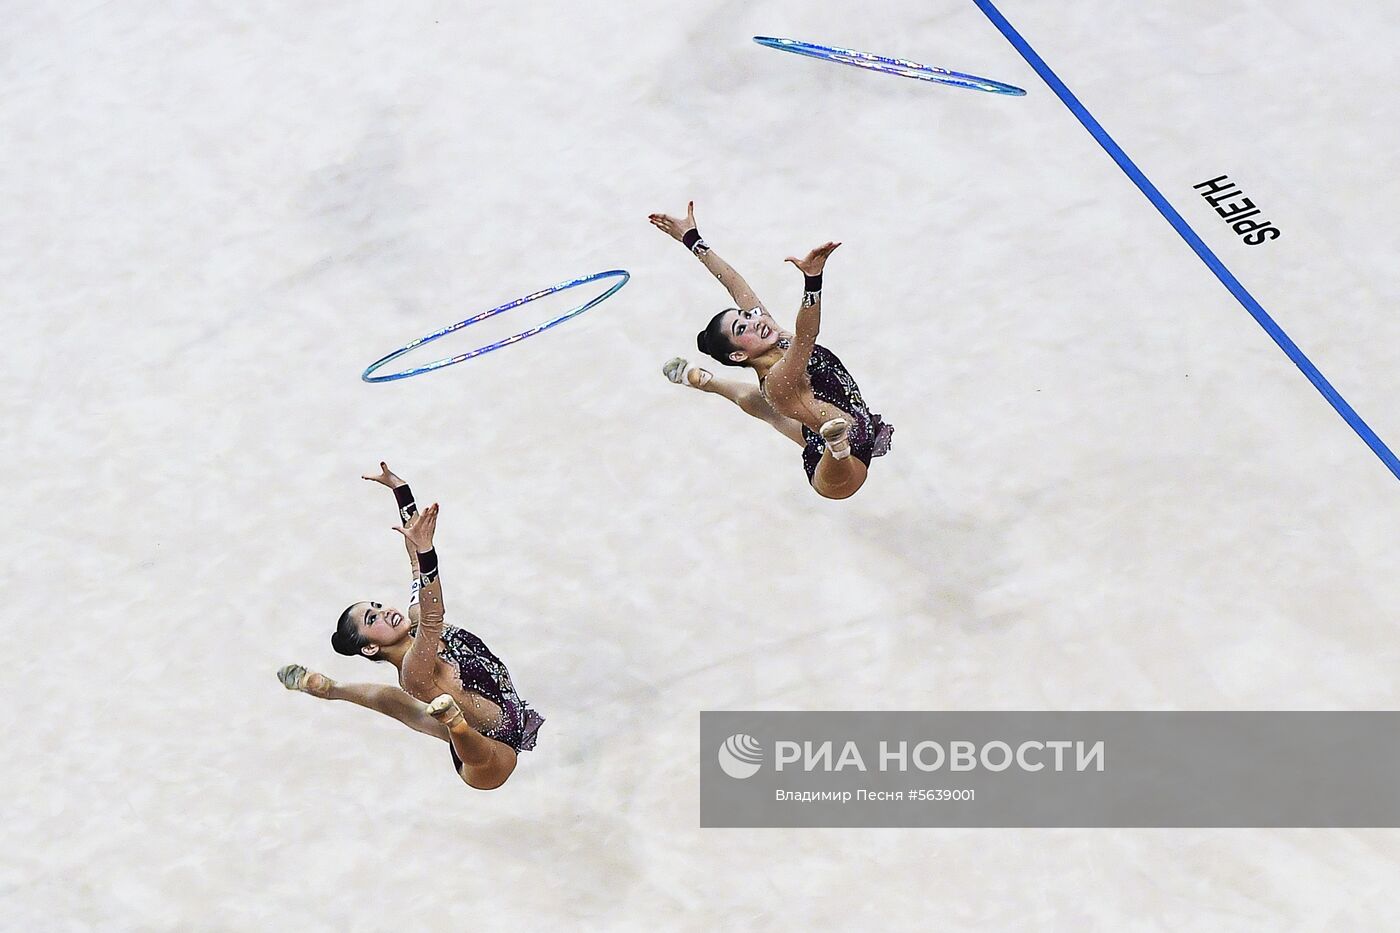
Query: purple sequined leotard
[483, 673]
[869, 435]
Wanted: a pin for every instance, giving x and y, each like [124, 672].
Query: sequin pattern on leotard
[869, 435]
[483, 673]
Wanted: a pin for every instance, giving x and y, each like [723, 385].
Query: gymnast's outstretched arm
[420, 664]
[683, 230]
[809, 316]
[403, 495]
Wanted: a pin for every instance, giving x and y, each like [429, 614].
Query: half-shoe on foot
[679, 371]
[296, 677]
[446, 711]
[835, 432]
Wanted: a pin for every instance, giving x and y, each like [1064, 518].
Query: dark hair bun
[702, 342]
[342, 645]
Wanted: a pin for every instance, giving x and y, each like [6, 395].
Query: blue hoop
[890, 66]
[368, 376]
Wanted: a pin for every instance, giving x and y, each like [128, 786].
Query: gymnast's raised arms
[684, 231]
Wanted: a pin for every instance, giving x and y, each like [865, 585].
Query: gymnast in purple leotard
[803, 389]
[451, 685]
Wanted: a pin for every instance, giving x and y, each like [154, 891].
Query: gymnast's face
[380, 624]
[753, 332]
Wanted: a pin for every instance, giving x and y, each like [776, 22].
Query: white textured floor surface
[1109, 489]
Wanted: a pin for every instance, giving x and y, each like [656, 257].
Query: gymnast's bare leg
[748, 397]
[482, 758]
[391, 701]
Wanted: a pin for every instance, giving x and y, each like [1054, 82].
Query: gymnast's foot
[296, 677]
[678, 370]
[446, 711]
[834, 433]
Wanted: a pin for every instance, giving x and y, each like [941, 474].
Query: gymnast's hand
[675, 227]
[816, 259]
[420, 528]
[385, 477]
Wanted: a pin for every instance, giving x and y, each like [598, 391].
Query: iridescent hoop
[368, 374]
[891, 66]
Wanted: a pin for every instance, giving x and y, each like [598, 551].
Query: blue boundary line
[1227, 279]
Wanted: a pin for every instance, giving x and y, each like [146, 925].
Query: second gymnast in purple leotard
[450, 684]
[803, 389]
